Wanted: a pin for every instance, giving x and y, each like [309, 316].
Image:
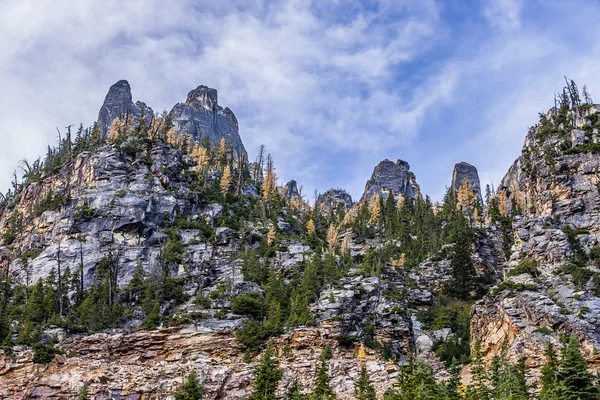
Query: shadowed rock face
[464, 170]
[201, 116]
[391, 177]
[118, 103]
[290, 190]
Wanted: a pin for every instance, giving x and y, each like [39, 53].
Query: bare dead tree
[69, 143]
[258, 167]
[586, 96]
[60, 285]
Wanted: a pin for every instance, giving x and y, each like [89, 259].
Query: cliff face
[152, 365]
[555, 184]
[333, 198]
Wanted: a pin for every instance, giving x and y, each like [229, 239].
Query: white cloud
[504, 14]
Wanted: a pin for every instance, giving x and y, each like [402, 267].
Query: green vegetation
[191, 389]
[525, 267]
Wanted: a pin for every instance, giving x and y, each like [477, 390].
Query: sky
[330, 87]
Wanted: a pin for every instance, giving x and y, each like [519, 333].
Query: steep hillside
[147, 247]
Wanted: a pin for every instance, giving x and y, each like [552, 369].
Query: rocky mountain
[462, 171]
[391, 177]
[130, 261]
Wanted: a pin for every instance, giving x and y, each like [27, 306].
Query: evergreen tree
[295, 392]
[267, 375]
[463, 271]
[83, 392]
[363, 389]
[191, 389]
[549, 379]
[575, 380]
[322, 389]
[478, 389]
[416, 381]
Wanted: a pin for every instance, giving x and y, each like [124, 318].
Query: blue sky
[330, 87]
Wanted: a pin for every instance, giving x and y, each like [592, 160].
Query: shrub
[525, 267]
[249, 304]
[511, 285]
[44, 353]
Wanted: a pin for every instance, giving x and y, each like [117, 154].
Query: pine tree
[295, 392]
[478, 389]
[83, 392]
[322, 390]
[549, 379]
[363, 389]
[191, 389]
[267, 375]
[575, 380]
[463, 271]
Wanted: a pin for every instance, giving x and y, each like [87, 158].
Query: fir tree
[575, 380]
[463, 271]
[295, 392]
[363, 389]
[478, 389]
[549, 379]
[322, 390]
[267, 375]
[191, 389]
[83, 392]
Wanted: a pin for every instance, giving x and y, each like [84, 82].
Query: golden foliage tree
[310, 227]
[269, 184]
[272, 235]
[465, 195]
[332, 237]
[225, 181]
[345, 248]
[375, 208]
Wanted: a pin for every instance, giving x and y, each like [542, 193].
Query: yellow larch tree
[225, 181]
[345, 248]
[269, 184]
[332, 237]
[465, 196]
[272, 235]
[375, 208]
[310, 227]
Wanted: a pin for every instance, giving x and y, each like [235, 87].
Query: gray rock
[462, 171]
[332, 198]
[201, 116]
[118, 103]
[391, 177]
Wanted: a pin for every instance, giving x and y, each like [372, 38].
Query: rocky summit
[389, 177]
[465, 171]
[146, 258]
[201, 116]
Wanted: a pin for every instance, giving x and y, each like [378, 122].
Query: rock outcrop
[290, 190]
[119, 104]
[201, 116]
[153, 364]
[462, 171]
[333, 198]
[389, 177]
